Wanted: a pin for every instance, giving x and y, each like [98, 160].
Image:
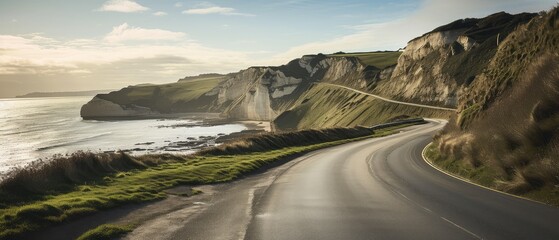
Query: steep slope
[186, 95]
[257, 93]
[262, 93]
[507, 133]
[330, 106]
[435, 69]
[438, 67]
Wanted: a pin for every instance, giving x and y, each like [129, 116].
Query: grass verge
[147, 184]
[485, 176]
[106, 232]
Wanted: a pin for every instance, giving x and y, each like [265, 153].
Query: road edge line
[473, 183]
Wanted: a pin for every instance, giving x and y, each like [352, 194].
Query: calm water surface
[40, 127]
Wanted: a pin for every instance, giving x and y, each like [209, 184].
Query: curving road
[383, 189]
[373, 189]
[387, 99]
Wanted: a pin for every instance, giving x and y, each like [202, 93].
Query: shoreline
[193, 145]
[179, 193]
[185, 146]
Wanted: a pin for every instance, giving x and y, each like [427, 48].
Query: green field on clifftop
[378, 59]
[182, 96]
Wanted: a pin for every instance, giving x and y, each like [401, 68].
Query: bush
[272, 141]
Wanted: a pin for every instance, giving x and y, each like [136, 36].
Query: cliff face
[435, 69]
[438, 67]
[508, 121]
[257, 93]
[262, 93]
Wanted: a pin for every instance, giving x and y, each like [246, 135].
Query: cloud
[214, 10]
[159, 13]
[125, 6]
[178, 4]
[394, 34]
[124, 33]
[38, 62]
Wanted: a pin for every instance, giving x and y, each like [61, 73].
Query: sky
[61, 45]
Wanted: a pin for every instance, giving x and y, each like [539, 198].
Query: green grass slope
[379, 60]
[328, 106]
[183, 96]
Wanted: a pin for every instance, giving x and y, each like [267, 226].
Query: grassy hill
[379, 60]
[329, 106]
[182, 96]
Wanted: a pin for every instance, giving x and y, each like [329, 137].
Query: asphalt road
[372, 189]
[383, 189]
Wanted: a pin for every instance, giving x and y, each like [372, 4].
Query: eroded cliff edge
[256, 93]
[434, 69]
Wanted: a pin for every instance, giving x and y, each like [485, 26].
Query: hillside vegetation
[329, 106]
[186, 95]
[507, 133]
[379, 60]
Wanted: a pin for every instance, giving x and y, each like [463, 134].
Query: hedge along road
[378, 188]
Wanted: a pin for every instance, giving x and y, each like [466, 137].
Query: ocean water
[38, 128]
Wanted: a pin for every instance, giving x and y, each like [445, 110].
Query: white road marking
[461, 228]
[250, 199]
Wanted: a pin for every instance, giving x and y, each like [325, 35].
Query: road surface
[372, 189]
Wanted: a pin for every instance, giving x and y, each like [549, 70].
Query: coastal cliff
[262, 93]
[436, 69]
[256, 93]
[506, 132]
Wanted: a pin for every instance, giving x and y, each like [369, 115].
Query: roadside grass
[481, 175]
[147, 184]
[487, 176]
[380, 60]
[106, 232]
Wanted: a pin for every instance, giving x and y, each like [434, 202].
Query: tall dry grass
[518, 135]
[272, 141]
[509, 120]
[63, 172]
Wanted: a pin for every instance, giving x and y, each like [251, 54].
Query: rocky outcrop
[256, 93]
[507, 128]
[262, 93]
[439, 66]
[99, 108]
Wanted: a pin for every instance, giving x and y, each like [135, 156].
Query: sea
[39, 128]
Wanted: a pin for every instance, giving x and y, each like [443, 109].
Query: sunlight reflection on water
[38, 128]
